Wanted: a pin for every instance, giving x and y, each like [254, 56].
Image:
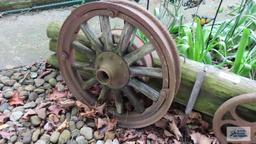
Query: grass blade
[241, 50]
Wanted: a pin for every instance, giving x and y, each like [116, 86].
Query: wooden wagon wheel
[115, 73]
[222, 120]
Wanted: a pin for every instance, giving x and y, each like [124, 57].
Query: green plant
[230, 43]
[169, 13]
[193, 43]
[239, 59]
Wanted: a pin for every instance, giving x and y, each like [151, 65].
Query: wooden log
[14, 4]
[52, 60]
[19, 4]
[79, 56]
[53, 33]
[40, 2]
[53, 45]
[218, 86]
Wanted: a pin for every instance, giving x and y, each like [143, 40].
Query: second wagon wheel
[118, 68]
[227, 116]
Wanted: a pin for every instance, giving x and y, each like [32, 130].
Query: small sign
[238, 134]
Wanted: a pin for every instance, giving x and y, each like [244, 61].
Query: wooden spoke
[125, 37]
[96, 44]
[132, 40]
[139, 53]
[145, 89]
[133, 99]
[89, 83]
[118, 101]
[106, 32]
[103, 93]
[83, 66]
[146, 71]
[83, 49]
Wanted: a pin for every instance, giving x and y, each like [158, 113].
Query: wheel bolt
[64, 55]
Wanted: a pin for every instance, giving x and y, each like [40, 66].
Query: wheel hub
[112, 70]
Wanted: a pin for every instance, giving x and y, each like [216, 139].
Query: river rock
[68, 116]
[15, 116]
[71, 142]
[72, 125]
[16, 86]
[100, 142]
[81, 140]
[1, 86]
[110, 135]
[115, 141]
[3, 141]
[33, 68]
[98, 135]
[26, 137]
[8, 93]
[64, 137]
[51, 75]
[74, 111]
[108, 141]
[4, 106]
[75, 133]
[19, 108]
[7, 81]
[91, 124]
[10, 82]
[13, 138]
[36, 135]
[59, 78]
[35, 120]
[45, 138]
[87, 132]
[33, 75]
[29, 82]
[39, 90]
[55, 137]
[47, 86]
[40, 142]
[30, 105]
[7, 73]
[60, 87]
[17, 76]
[32, 96]
[24, 93]
[29, 87]
[6, 88]
[52, 81]
[79, 124]
[39, 82]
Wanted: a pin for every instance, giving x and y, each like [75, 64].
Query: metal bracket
[194, 94]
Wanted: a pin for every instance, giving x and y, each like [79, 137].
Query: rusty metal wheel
[227, 115]
[119, 68]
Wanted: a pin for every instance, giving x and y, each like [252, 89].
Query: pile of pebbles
[34, 84]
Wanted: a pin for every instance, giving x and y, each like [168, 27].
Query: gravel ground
[37, 107]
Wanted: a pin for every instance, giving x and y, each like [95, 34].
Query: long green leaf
[199, 41]
[241, 49]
